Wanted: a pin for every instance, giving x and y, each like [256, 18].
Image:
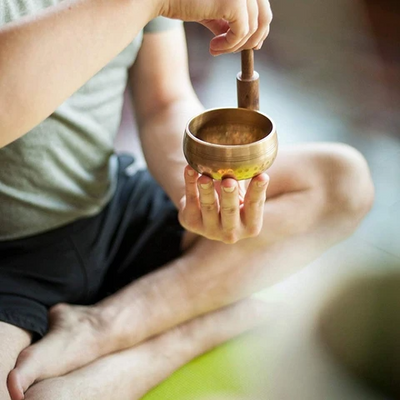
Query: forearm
[161, 136]
[213, 274]
[45, 58]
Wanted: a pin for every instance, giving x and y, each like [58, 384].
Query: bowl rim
[229, 146]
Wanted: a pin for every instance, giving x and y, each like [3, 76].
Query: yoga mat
[236, 367]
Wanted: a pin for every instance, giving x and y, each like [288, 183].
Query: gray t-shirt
[65, 168]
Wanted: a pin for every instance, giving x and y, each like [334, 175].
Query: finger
[230, 211]
[190, 215]
[269, 17]
[252, 7]
[242, 191]
[264, 20]
[259, 46]
[254, 204]
[253, 27]
[216, 26]
[237, 32]
[208, 205]
[241, 188]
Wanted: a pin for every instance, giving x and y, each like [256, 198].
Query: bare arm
[46, 57]
[164, 102]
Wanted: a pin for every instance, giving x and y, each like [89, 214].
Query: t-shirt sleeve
[160, 24]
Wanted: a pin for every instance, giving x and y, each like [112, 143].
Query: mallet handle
[248, 91]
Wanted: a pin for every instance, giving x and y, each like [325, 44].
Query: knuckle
[243, 28]
[270, 13]
[253, 27]
[268, 9]
[255, 203]
[229, 210]
[189, 222]
[206, 206]
[264, 21]
[243, 31]
[252, 44]
[191, 197]
[193, 225]
[191, 181]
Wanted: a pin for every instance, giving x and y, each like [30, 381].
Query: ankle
[100, 325]
[121, 323]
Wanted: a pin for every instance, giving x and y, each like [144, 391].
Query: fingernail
[205, 185]
[261, 184]
[229, 189]
[190, 172]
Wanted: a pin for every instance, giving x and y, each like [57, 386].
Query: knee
[349, 190]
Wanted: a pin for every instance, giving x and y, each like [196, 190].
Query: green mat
[233, 368]
[237, 367]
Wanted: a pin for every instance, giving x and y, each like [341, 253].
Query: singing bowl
[230, 142]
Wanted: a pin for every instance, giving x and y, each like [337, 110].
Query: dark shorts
[81, 263]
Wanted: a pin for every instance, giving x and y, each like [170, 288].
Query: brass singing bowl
[230, 142]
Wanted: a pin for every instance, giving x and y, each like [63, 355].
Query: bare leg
[317, 196]
[132, 373]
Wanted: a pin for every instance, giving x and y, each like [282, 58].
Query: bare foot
[134, 372]
[77, 336]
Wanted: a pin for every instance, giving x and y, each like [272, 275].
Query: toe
[14, 386]
[28, 368]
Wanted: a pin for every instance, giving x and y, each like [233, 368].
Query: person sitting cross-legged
[111, 278]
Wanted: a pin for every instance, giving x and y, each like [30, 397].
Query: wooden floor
[330, 71]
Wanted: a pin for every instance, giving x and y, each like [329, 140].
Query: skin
[236, 244]
[202, 282]
[105, 27]
[133, 372]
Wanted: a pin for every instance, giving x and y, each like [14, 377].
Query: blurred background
[330, 71]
